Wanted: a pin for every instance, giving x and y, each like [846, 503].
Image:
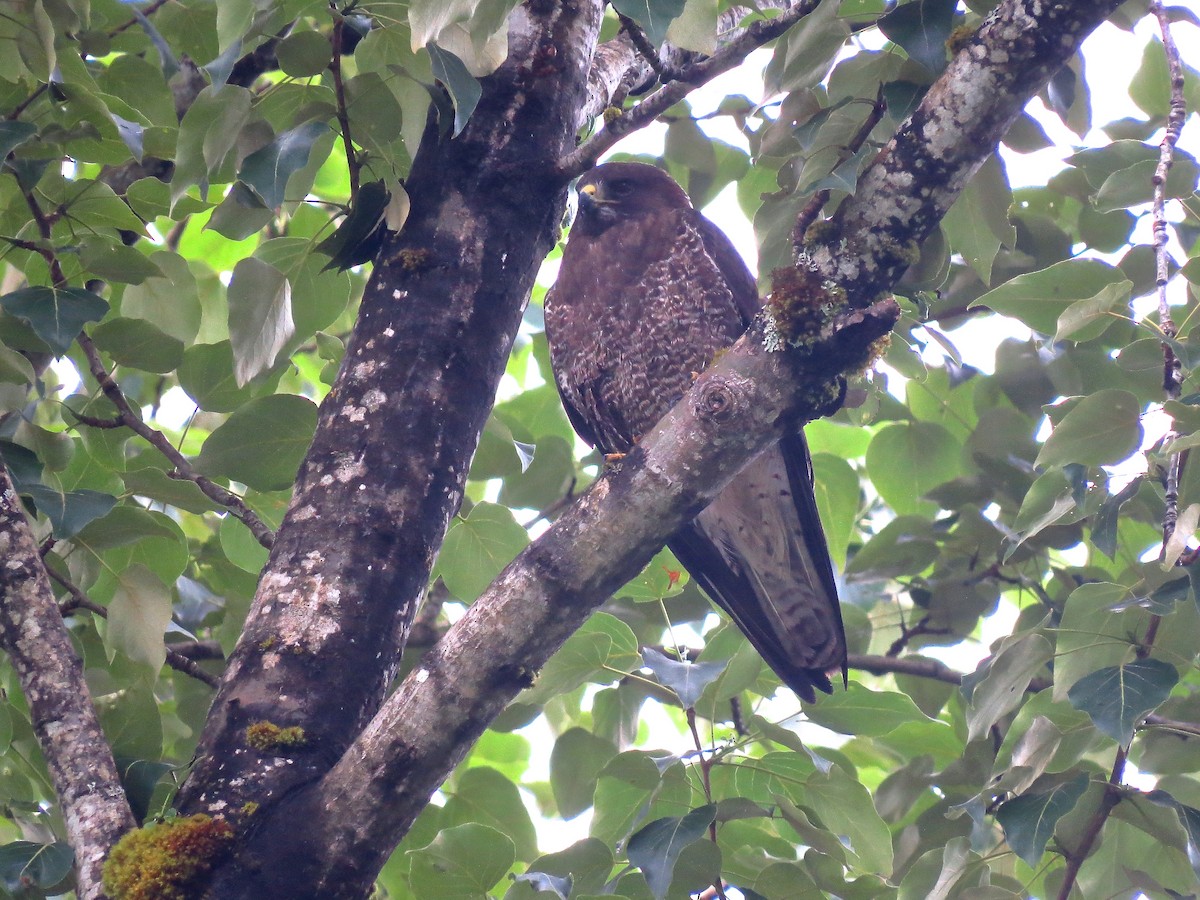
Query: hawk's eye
[620, 187]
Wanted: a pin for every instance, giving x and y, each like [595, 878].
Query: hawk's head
[616, 192]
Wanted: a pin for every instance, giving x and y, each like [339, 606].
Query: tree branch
[231, 501]
[728, 57]
[80, 600]
[39, 647]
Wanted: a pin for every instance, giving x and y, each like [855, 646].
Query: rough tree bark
[60, 706]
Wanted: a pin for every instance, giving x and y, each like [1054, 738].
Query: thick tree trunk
[394, 442]
[33, 635]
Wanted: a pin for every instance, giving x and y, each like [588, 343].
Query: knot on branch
[718, 397]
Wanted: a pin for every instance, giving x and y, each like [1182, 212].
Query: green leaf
[978, 225]
[1117, 696]
[656, 848]
[138, 616]
[207, 375]
[862, 711]
[14, 134]
[575, 764]
[262, 443]
[56, 314]
[462, 863]
[113, 261]
[1093, 634]
[1100, 429]
[1005, 676]
[485, 796]
[208, 132]
[625, 785]
[1089, 318]
[687, 679]
[260, 317]
[603, 649]
[137, 343]
[922, 28]
[836, 487]
[303, 53]
[477, 548]
[845, 808]
[171, 302]
[463, 86]
[268, 169]
[43, 865]
[69, 512]
[1029, 820]
[655, 16]
[906, 459]
[1039, 298]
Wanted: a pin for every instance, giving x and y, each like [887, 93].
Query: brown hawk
[648, 292]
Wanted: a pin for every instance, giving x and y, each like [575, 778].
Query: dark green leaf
[262, 443]
[1117, 696]
[463, 86]
[139, 777]
[1028, 821]
[268, 169]
[575, 763]
[653, 15]
[465, 861]
[45, 865]
[303, 53]
[14, 134]
[357, 239]
[1104, 522]
[1100, 429]
[56, 314]
[655, 848]
[69, 512]
[922, 29]
[137, 343]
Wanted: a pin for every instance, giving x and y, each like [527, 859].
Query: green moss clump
[612, 113]
[170, 860]
[960, 37]
[269, 737]
[799, 305]
[414, 259]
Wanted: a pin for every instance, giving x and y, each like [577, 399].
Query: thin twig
[1172, 378]
[80, 600]
[817, 202]
[231, 501]
[705, 766]
[1112, 796]
[728, 57]
[647, 50]
[339, 89]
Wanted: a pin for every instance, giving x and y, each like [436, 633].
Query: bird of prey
[648, 292]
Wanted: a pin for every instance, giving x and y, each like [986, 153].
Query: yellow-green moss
[249, 808]
[413, 259]
[799, 306]
[269, 737]
[822, 231]
[170, 860]
[612, 113]
[960, 37]
[267, 643]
